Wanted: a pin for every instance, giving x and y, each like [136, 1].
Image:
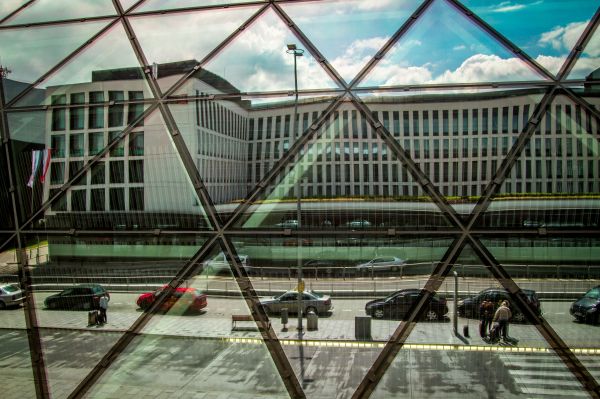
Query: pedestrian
[502, 316]
[103, 304]
[486, 313]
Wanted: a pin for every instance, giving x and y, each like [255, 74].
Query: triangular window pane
[257, 60]
[349, 33]
[109, 58]
[54, 10]
[208, 29]
[48, 45]
[547, 40]
[444, 46]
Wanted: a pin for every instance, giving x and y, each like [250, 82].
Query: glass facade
[298, 199]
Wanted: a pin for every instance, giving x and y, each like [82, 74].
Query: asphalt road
[197, 355]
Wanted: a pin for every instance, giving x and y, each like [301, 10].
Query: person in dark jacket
[486, 314]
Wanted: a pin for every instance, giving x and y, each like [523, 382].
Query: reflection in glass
[53, 10]
[48, 45]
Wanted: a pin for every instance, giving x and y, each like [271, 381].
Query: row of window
[559, 119]
[212, 115]
[90, 144]
[408, 189]
[98, 116]
[220, 146]
[419, 148]
[479, 170]
[117, 171]
[97, 199]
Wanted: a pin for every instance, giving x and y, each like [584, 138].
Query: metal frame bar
[34, 338]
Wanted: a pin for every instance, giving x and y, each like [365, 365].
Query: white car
[219, 264]
[10, 295]
[385, 263]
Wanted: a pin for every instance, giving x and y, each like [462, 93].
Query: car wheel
[378, 313]
[2, 305]
[395, 268]
[519, 317]
[431, 315]
[311, 309]
[145, 305]
[52, 305]
[580, 319]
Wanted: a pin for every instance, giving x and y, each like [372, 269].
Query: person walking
[502, 316]
[486, 313]
[103, 305]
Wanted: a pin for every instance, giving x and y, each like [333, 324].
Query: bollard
[312, 321]
[284, 317]
[362, 327]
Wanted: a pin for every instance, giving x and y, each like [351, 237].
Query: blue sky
[442, 47]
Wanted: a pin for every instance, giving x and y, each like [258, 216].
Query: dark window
[136, 199]
[58, 114]
[117, 199]
[97, 199]
[96, 113]
[136, 143]
[97, 173]
[77, 114]
[117, 172]
[115, 111]
[78, 200]
[135, 109]
[136, 171]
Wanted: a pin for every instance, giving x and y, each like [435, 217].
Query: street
[195, 353]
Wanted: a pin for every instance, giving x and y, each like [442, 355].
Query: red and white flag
[39, 157]
[36, 156]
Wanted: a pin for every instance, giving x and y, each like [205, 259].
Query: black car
[587, 308]
[469, 307]
[84, 296]
[397, 305]
[319, 266]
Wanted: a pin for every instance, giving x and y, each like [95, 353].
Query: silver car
[384, 263]
[10, 295]
[311, 301]
[219, 264]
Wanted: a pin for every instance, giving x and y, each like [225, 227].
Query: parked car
[219, 264]
[397, 305]
[469, 307]
[587, 308]
[311, 301]
[384, 263]
[288, 224]
[358, 224]
[84, 296]
[182, 298]
[319, 266]
[10, 295]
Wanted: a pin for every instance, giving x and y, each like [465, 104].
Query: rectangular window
[78, 200]
[475, 120]
[465, 121]
[77, 114]
[96, 113]
[57, 173]
[269, 127]
[97, 173]
[396, 123]
[74, 168]
[136, 143]
[116, 108]
[568, 119]
[58, 114]
[136, 109]
[95, 143]
[97, 199]
[425, 123]
[406, 123]
[286, 126]
[136, 199]
[484, 121]
[117, 172]
[117, 199]
[558, 117]
[495, 120]
[57, 143]
[415, 122]
[76, 145]
[278, 126]
[136, 171]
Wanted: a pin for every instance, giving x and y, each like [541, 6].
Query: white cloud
[509, 8]
[461, 47]
[482, 67]
[563, 38]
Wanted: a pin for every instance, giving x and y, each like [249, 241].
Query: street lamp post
[296, 52]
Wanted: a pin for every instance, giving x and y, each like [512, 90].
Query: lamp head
[291, 46]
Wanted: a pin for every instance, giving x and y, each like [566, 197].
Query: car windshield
[317, 294]
[10, 288]
[594, 293]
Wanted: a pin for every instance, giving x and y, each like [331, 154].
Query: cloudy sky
[442, 46]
